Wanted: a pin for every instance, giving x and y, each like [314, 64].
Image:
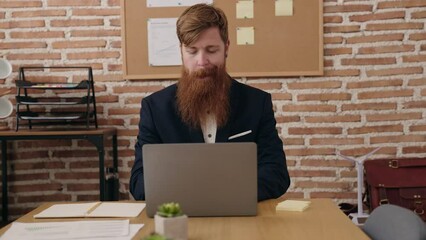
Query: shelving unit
[60, 103]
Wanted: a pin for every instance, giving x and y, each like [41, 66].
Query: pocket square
[239, 134]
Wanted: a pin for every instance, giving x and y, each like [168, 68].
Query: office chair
[391, 222]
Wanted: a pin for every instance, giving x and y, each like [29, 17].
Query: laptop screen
[205, 179]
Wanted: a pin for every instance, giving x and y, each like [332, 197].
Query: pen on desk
[239, 134]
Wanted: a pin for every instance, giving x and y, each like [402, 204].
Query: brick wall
[373, 93]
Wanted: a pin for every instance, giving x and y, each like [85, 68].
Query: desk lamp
[359, 217]
[6, 107]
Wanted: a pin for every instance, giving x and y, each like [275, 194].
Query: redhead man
[207, 105]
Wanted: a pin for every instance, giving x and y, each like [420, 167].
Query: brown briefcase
[397, 181]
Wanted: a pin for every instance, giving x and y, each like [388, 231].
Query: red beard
[201, 91]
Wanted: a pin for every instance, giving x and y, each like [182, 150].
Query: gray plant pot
[175, 228]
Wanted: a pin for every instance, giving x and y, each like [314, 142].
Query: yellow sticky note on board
[292, 205]
[245, 9]
[245, 36]
[283, 7]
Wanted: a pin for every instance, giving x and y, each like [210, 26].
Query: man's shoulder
[250, 90]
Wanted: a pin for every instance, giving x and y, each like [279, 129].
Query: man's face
[208, 52]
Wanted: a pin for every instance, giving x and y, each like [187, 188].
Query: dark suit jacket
[251, 109]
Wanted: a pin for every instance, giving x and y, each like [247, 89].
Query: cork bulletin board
[290, 45]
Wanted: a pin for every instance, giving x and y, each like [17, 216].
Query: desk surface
[322, 220]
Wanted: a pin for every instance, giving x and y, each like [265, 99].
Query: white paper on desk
[66, 210]
[117, 209]
[68, 230]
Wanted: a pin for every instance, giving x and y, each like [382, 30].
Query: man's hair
[197, 18]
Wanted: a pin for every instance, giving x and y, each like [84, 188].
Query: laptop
[217, 179]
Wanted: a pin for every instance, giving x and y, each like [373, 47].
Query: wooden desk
[322, 220]
[95, 136]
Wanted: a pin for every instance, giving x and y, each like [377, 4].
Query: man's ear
[226, 48]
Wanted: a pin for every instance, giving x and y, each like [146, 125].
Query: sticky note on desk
[292, 205]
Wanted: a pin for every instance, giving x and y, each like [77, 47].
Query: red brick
[369, 106]
[20, 4]
[123, 111]
[326, 163]
[310, 151]
[266, 86]
[395, 71]
[115, 67]
[21, 45]
[333, 119]
[34, 56]
[287, 119]
[348, 8]
[401, 4]
[393, 26]
[332, 19]
[376, 129]
[77, 22]
[114, 2]
[336, 141]
[342, 29]
[77, 3]
[342, 73]
[93, 55]
[415, 58]
[133, 100]
[324, 97]
[333, 40]
[75, 154]
[95, 33]
[83, 187]
[281, 96]
[375, 38]
[418, 128]
[337, 51]
[334, 195]
[386, 49]
[315, 85]
[355, 152]
[315, 184]
[115, 22]
[48, 34]
[417, 149]
[137, 89]
[394, 116]
[16, 177]
[398, 139]
[76, 175]
[385, 94]
[39, 165]
[368, 61]
[22, 24]
[293, 141]
[39, 13]
[309, 108]
[375, 83]
[36, 187]
[417, 15]
[377, 16]
[417, 82]
[44, 198]
[96, 12]
[314, 130]
[415, 104]
[79, 44]
[312, 173]
[417, 36]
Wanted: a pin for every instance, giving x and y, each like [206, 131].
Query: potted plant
[171, 222]
[155, 236]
